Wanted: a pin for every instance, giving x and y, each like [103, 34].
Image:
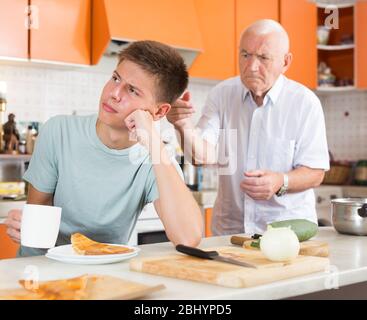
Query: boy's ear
[162, 110]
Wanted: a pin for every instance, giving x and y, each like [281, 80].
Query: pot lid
[350, 201]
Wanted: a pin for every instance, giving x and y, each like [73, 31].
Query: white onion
[279, 244]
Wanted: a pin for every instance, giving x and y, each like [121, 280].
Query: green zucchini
[304, 229]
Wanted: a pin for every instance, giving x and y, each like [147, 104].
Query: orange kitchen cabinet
[208, 212]
[171, 22]
[303, 39]
[248, 11]
[8, 248]
[63, 33]
[217, 27]
[13, 29]
[361, 44]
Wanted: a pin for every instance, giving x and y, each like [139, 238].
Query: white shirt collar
[272, 94]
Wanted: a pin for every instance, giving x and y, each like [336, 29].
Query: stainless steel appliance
[149, 228]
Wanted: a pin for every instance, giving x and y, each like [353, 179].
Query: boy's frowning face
[130, 88]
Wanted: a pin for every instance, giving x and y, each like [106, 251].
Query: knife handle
[238, 240]
[196, 252]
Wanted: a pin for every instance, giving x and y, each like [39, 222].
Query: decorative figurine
[11, 135]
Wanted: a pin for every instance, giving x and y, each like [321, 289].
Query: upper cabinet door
[217, 27]
[171, 22]
[13, 28]
[248, 11]
[303, 39]
[61, 31]
[361, 44]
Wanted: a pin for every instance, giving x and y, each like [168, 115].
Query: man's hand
[261, 184]
[181, 111]
[13, 222]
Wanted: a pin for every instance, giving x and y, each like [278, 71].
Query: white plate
[105, 260]
[67, 254]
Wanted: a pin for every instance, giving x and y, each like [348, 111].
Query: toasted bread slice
[85, 246]
[65, 289]
[19, 294]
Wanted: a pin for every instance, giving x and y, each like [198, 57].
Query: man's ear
[287, 61]
[162, 110]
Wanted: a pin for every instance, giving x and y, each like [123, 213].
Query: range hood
[116, 23]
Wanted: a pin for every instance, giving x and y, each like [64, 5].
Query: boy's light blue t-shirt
[101, 191]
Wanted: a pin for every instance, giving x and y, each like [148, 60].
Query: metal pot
[192, 176]
[349, 215]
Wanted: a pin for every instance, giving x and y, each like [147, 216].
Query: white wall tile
[37, 92]
[346, 124]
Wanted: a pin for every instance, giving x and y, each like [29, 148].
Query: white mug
[323, 34]
[40, 226]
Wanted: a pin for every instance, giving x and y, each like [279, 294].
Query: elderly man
[280, 142]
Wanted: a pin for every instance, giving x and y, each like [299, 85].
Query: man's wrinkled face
[130, 88]
[261, 61]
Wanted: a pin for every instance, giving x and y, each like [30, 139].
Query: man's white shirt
[286, 132]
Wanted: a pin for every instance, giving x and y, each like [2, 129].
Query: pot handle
[363, 211]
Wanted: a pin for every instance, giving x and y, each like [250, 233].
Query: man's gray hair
[268, 26]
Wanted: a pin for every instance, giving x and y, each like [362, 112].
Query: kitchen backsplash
[36, 92]
[346, 118]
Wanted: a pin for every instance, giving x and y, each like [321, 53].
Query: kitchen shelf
[335, 47]
[334, 5]
[24, 157]
[339, 54]
[336, 89]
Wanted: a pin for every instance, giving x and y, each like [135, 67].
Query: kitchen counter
[348, 257]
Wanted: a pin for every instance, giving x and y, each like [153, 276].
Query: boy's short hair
[163, 62]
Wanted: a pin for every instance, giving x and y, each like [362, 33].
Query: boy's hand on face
[140, 124]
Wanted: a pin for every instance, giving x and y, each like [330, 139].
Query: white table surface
[348, 258]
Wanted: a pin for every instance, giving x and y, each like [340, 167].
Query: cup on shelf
[40, 226]
[323, 34]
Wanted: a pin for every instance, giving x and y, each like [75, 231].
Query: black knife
[211, 255]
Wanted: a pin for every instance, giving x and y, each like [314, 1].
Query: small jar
[22, 147]
[360, 176]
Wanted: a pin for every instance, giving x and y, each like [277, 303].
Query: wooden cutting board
[113, 288]
[101, 288]
[307, 248]
[191, 268]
